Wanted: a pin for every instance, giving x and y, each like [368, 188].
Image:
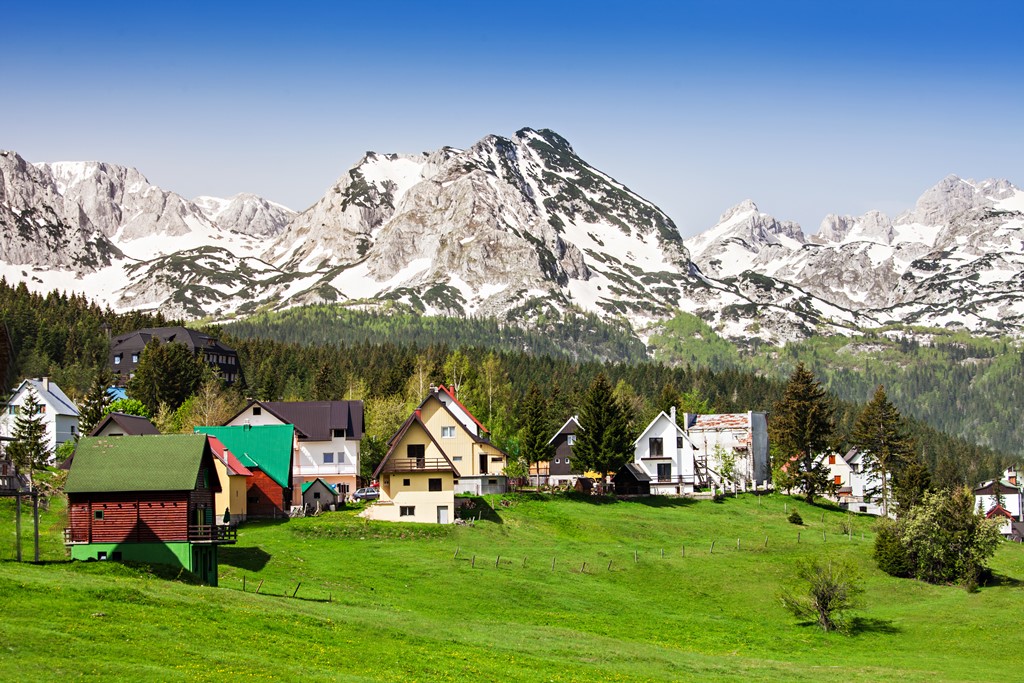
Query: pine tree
[324, 384]
[603, 442]
[880, 435]
[29, 450]
[96, 402]
[536, 433]
[802, 425]
[166, 373]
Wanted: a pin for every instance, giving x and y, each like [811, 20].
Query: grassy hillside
[389, 602]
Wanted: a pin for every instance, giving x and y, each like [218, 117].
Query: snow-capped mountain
[512, 227]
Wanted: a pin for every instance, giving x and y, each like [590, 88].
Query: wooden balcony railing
[212, 533]
[417, 465]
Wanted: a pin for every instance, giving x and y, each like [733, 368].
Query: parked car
[368, 493]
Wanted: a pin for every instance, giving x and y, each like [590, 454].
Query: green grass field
[390, 602]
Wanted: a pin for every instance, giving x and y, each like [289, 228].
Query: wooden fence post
[712, 548]
[259, 586]
[456, 555]
[296, 590]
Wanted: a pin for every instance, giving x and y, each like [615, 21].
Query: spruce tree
[166, 374]
[880, 435]
[536, 432]
[96, 402]
[603, 442]
[29, 450]
[802, 424]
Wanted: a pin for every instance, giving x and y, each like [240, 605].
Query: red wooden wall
[139, 517]
[266, 497]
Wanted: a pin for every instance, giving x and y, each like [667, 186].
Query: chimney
[46, 384]
[672, 414]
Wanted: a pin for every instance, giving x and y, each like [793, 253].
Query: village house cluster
[135, 494]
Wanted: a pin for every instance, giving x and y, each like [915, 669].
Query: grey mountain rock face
[516, 227]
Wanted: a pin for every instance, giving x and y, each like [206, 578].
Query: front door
[483, 463]
[442, 514]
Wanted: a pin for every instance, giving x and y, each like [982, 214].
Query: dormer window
[339, 433]
[570, 439]
[117, 359]
[135, 358]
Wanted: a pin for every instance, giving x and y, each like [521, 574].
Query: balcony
[687, 479]
[212, 533]
[329, 468]
[75, 536]
[417, 465]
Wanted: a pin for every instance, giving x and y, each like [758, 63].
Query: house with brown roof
[122, 424]
[126, 351]
[327, 439]
[417, 477]
[465, 439]
[559, 469]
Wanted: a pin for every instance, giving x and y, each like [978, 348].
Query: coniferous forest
[389, 360]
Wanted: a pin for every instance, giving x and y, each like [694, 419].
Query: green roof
[268, 447]
[153, 462]
[306, 486]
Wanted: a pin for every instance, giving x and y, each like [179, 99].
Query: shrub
[891, 554]
[795, 518]
[832, 589]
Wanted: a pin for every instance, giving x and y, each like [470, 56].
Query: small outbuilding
[318, 493]
[631, 480]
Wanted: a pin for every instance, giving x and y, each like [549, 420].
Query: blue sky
[805, 107]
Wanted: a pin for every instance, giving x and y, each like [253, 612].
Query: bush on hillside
[832, 589]
[795, 518]
[891, 555]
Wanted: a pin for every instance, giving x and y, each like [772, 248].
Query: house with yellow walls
[417, 478]
[466, 441]
[230, 503]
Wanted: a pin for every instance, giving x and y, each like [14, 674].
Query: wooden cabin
[146, 499]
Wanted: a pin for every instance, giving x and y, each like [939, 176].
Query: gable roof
[633, 470]
[989, 488]
[450, 392]
[169, 335]
[50, 393]
[132, 425]
[571, 426]
[268, 447]
[679, 430]
[305, 486]
[716, 421]
[315, 420]
[162, 462]
[221, 452]
[397, 438]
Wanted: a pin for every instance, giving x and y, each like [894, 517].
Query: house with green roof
[318, 494]
[267, 451]
[146, 499]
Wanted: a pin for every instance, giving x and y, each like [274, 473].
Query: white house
[853, 485]
[1003, 499]
[666, 455]
[741, 438]
[327, 439]
[60, 414]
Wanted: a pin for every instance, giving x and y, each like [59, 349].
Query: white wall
[680, 459]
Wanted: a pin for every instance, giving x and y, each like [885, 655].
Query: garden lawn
[392, 602]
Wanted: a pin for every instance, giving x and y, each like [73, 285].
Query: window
[344, 490]
[679, 442]
[135, 358]
[417, 452]
[558, 461]
[457, 458]
[72, 429]
[117, 359]
[434, 484]
[838, 480]
[831, 460]
[495, 458]
[657, 448]
[97, 514]
[12, 410]
[407, 511]
[570, 439]
[328, 458]
[405, 482]
[256, 410]
[492, 481]
[567, 461]
[447, 432]
[42, 409]
[664, 472]
[316, 495]
[101, 555]
[338, 433]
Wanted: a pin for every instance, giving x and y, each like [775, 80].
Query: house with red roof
[466, 441]
[1003, 499]
[231, 502]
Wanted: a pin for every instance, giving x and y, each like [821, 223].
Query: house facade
[231, 503]
[1003, 499]
[560, 469]
[739, 440]
[145, 499]
[267, 452]
[853, 485]
[466, 441]
[318, 495]
[327, 434]
[121, 424]
[417, 478]
[664, 453]
[126, 351]
[59, 413]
